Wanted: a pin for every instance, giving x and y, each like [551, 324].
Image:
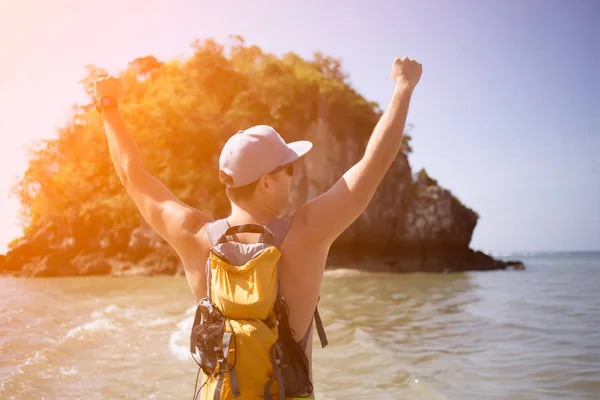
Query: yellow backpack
[241, 332]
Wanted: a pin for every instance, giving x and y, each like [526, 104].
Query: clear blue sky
[507, 114]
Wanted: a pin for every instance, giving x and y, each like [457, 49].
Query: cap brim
[297, 150]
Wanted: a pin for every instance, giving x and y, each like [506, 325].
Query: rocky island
[79, 220]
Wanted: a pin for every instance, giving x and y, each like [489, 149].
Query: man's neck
[251, 214]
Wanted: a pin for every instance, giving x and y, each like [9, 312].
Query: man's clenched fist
[109, 87]
[405, 70]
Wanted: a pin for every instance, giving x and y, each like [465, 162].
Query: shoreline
[164, 262]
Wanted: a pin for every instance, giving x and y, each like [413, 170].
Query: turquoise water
[487, 335]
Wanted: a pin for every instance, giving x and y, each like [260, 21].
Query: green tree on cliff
[180, 113]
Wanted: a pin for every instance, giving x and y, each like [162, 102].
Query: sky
[507, 113]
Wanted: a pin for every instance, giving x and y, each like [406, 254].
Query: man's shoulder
[197, 244]
[301, 232]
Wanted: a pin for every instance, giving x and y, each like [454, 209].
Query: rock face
[411, 224]
[403, 210]
[144, 254]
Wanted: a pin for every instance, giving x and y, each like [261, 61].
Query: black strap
[320, 329]
[275, 231]
[246, 228]
[219, 387]
[265, 232]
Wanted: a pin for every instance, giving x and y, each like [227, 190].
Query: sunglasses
[289, 169]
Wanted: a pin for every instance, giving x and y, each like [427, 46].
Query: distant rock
[54, 264]
[91, 264]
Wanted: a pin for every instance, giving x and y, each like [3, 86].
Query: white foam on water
[110, 309]
[101, 322]
[150, 323]
[139, 317]
[129, 312]
[337, 272]
[179, 344]
[37, 357]
[68, 371]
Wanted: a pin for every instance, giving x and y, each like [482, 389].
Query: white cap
[255, 152]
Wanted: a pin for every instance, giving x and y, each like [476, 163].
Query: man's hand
[405, 70]
[109, 87]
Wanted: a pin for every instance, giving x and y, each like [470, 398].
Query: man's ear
[264, 184]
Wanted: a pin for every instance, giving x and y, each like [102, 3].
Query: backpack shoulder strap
[279, 227]
[318, 323]
[215, 230]
[320, 329]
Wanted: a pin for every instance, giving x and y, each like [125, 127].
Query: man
[256, 166]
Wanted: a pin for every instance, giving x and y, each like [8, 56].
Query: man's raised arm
[173, 220]
[328, 215]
